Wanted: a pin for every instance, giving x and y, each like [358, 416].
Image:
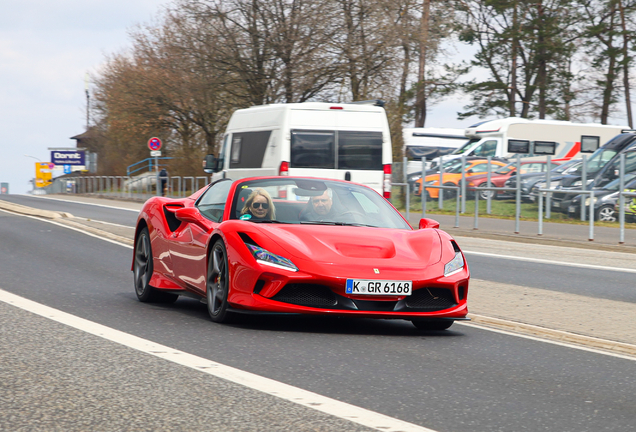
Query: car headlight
[577, 183]
[431, 182]
[587, 201]
[265, 257]
[455, 265]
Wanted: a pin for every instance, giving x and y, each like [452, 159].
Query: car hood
[343, 244]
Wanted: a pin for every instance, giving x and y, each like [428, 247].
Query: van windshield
[468, 146]
[598, 160]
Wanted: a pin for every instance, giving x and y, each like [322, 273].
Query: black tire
[606, 213]
[142, 272]
[218, 284]
[449, 193]
[483, 194]
[430, 325]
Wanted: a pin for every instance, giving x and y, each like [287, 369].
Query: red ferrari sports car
[298, 245]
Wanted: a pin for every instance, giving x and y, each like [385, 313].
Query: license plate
[378, 287]
[571, 209]
[532, 197]
[555, 204]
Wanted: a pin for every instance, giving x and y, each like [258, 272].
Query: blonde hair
[271, 211]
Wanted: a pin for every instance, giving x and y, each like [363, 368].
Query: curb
[47, 214]
[557, 335]
[98, 232]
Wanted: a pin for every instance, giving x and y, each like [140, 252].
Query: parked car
[531, 182]
[449, 165]
[604, 200]
[498, 178]
[601, 167]
[299, 245]
[453, 176]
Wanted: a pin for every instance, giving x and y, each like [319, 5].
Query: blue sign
[67, 169]
[68, 157]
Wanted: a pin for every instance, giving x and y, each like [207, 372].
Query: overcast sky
[46, 48]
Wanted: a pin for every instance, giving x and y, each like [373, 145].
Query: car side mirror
[428, 223]
[190, 215]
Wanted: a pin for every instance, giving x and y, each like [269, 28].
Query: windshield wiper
[336, 223]
[267, 221]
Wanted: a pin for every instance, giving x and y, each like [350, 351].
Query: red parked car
[499, 177]
[298, 245]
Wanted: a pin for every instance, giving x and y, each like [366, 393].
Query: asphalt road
[463, 379]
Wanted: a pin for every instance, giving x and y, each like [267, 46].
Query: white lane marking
[553, 342]
[268, 386]
[104, 222]
[80, 202]
[544, 261]
[69, 227]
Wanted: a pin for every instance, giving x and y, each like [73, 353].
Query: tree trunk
[513, 68]
[420, 105]
[628, 102]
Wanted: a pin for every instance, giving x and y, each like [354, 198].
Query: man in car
[320, 208]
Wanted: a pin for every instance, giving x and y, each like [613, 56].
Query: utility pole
[88, 98]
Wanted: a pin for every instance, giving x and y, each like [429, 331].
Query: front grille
[307, 295]
[431, 299]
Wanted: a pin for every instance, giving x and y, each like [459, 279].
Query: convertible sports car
[298, 245]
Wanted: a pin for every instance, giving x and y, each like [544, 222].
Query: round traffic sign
[154, 143]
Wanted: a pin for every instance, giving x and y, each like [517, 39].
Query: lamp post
[37, 159]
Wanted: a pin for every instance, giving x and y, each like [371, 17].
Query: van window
[467, 147]
[487, 148]
[360, 150]
[312, 149]
[248, 149]
[356, 150]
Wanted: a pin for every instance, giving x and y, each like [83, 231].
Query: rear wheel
[449, 193]
[218, 284]
[606, 214]
[484, 194]
[142, 272]
[432, 324]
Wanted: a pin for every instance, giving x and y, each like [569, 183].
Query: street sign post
[154, 144]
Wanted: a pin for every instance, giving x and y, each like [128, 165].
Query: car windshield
[571, 164]
[506, 169]
[290, 200]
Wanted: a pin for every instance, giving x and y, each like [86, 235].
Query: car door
[190, 239]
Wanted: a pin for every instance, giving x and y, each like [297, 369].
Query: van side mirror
[428, 223]
[211, 164]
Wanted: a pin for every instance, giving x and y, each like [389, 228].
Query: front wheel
[606, 214]
[433, 324]
[218, 284]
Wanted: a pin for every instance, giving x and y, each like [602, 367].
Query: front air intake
[431, 299]
[307, 295]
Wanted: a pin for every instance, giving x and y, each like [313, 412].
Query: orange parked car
[453, 176]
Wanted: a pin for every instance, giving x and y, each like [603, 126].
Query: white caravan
[492, 138]
[430, 142]
[342, 141]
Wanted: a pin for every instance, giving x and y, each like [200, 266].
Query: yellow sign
[43, 173]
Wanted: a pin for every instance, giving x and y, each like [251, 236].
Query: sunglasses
[264, 206]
